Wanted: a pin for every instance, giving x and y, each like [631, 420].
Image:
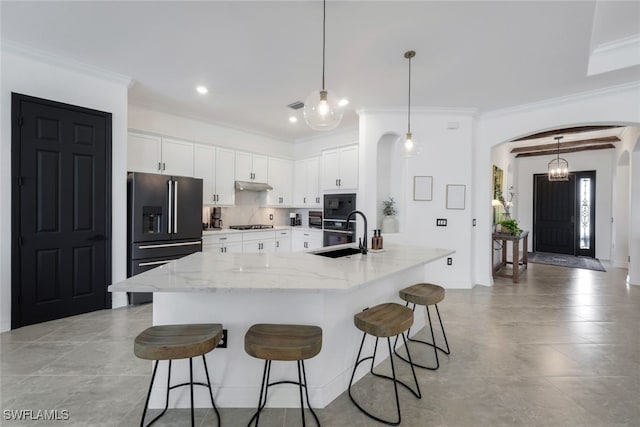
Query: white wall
[49, 78]
[615, 105]
[313, 146]
[447, 156]
[152, 121]
[600, 161]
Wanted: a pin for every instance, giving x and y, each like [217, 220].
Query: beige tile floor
[560, 348]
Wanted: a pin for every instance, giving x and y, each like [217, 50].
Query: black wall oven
[336, 209]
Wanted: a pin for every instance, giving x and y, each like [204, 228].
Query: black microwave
[338, 206]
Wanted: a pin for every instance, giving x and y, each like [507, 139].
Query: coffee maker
[216, 217]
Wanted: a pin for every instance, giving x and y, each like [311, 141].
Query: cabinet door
[244, 168]
[260, 168]
[225, 177]
[348, 168]
[299, 183]
[177, 157]
[144, 153]
[235, 248]
[280, 177]
[204, 168]
[329, 170]
[312, 191]
[283, 244]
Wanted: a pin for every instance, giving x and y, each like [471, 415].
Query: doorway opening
[564, 214]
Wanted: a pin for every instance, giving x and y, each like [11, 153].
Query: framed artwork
[456, 196]
[498, 175]
[423, 188]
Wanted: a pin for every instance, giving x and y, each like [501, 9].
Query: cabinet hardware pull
[159, 166]
[164, 166]
[223, 238]
[304, 200]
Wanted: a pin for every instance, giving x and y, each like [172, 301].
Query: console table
[519, 264]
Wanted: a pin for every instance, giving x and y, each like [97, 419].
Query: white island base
[239, 290]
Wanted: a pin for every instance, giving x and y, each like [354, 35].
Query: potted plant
[511, 226]
[389, 223]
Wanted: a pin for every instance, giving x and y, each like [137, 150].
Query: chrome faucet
[362, 245]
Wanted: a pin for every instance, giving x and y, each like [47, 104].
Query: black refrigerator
[164, 222]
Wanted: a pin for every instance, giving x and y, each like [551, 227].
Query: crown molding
[615, 55]
[419, 110]
[64, 62]
[623, 88]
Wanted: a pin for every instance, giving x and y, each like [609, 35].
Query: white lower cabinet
[225, 243]
[283, 241]
[254, 242]
[306, 239]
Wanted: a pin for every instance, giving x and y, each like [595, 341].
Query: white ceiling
[257, 57]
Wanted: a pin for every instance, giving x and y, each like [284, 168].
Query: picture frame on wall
[423, 188]
[456, 195]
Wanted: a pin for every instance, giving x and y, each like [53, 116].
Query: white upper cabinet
[280, 178]
[144, 153]
[215, 167]
[306, 180]
[225, 177]
[177, 157]
[153, 154]
[251, 167]
[339, 168]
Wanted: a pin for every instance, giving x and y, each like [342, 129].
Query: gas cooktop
[250, 227]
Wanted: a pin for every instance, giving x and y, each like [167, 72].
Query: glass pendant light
[411, 147]
[558, 167]
[322, 109]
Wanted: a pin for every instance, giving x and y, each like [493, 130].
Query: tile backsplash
[248, 210]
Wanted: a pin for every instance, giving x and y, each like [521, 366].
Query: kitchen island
[241, 289]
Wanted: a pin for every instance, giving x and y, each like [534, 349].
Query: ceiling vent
[296, 105]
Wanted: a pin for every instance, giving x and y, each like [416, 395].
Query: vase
[389, 224]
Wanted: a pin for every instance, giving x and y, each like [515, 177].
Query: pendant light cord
[409, 103]
[324, 20]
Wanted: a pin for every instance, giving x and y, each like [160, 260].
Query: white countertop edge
[139, 287]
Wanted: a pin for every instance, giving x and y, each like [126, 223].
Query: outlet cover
[223, 340]
[449, 261]
[474, 222]
[441, 222]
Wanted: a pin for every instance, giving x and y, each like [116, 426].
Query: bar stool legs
[191, 383]
[301, 383]
[384, 321]
[396, 381]
[431, 344]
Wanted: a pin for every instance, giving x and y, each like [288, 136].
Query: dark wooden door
[61, 210]
[554, 215]
[564, 214]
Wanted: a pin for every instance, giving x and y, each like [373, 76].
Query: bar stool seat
[423, 294]
[283, 342]
[384, 321]
[171, 342]
[426, 294]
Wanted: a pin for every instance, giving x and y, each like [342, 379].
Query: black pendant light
[558, 167]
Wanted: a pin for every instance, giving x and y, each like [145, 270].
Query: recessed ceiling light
[202, 90]
[293, 119]
[343, 102]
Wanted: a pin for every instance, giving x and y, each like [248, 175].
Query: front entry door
[564, 214]
[61, 210]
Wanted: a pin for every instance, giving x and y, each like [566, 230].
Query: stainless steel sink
[338, 253]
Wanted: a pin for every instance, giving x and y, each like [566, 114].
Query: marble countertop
[299, 271]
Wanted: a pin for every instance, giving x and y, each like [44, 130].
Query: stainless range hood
[252, 186]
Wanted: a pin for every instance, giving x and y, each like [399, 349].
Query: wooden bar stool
[170, 342]
[271, 342]
[384, 320]
[426, 294]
